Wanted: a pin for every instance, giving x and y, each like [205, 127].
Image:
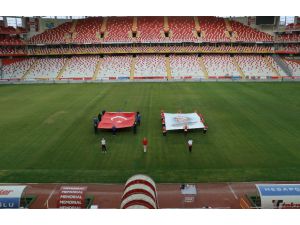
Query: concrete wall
[265, 28]
[45, 23]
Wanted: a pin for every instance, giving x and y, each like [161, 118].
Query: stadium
[150, 112]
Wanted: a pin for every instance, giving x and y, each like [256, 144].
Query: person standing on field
[190, 145]
[145, 144]
[138, 118]
[103, 145]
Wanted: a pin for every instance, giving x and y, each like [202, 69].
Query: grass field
[46, 132]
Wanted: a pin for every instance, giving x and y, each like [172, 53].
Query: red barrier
[151, 78]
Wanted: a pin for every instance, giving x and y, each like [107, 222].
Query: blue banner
[279, 189]
[9, 203]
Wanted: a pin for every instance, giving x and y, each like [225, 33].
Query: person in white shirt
[103, 145]
[190, 144]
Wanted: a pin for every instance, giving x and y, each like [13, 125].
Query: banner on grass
[71, 197]
[10, 196]
[117, 119]
[177, 121]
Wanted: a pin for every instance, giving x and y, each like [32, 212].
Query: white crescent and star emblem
[118, 119]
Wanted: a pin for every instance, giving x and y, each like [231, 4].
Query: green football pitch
[46, 132]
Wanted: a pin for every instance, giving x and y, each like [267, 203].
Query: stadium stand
[295, 66]
[275, 66]
[12, 30]
[10, 51]
[46, 68]
[220, 65]
[84, 50]
[17, 69]
[87, 30]
[293, 37]
[245, 33]
[111, 41]
[11, 40]
[185, 66]
[81, 67]
[290, 48]
[150, 66]
[292, 26]
[57, 35]
[150, 29]
[254, 65]
[119, 29]
[213, 29]
[113, 67]
[181, 28]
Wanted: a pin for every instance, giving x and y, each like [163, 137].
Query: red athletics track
[215, 195]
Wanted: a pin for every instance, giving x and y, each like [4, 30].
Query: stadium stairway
[272, 68]
[166, 24]
[202, 66]
[132, 68]
[29, 70]
[168, 68]
[134, 24]
[103, 29]
[282, 64]
[238, 67]
[62, 70]
[97, 69]
[197, 27]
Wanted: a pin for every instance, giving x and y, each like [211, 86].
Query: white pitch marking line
[46, 203]
[232, 191]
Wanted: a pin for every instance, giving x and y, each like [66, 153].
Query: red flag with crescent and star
[117, 119]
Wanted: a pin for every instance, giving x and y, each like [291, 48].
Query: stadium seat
[56, 35]
[46, 68]
[254, 65]
[245, 33]
[115, 66]
[150, 66]
[181, 28]
[286, 37]
[17, 69]
[213, 29]
[81, 67]
[220, 65]
[150, 29]
[119, 29]
[86, 30]
[185, 66]
[11, 40]
[295, 67]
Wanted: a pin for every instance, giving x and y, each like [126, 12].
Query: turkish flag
[119, 119]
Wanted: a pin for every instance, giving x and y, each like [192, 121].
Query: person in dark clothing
[139, 119]
[134, 127]
[114, 130]
[103, 112]
[95, 125]
[99, 116]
